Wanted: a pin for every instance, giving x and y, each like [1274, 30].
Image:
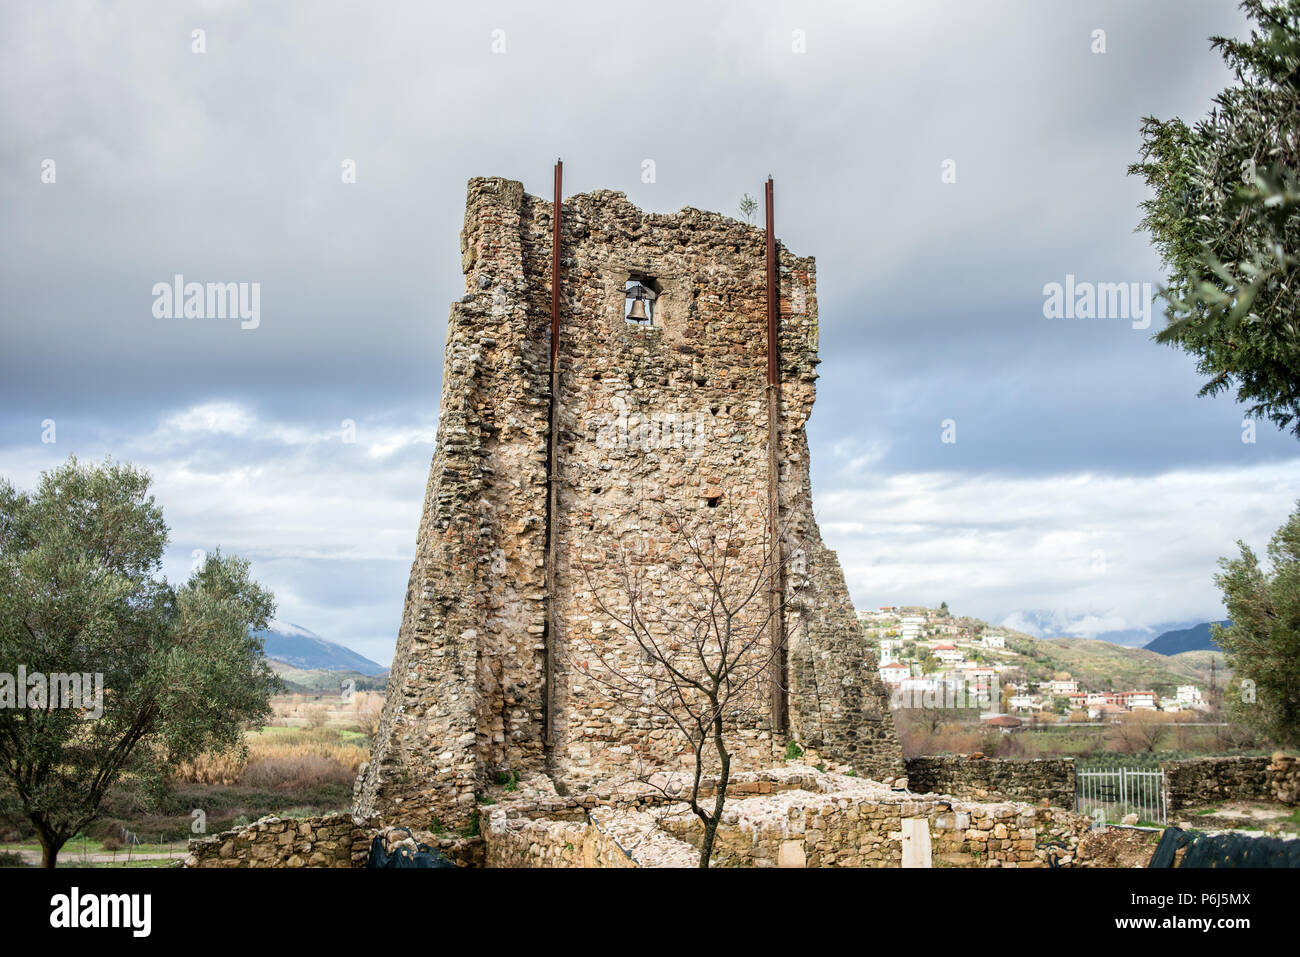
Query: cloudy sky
[1089, 491]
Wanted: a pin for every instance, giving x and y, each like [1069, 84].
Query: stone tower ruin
[669, 413]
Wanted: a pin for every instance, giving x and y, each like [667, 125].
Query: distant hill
[307, 651]
[1099, 665]
[317, 681]
[1196, 638]
[1047, 624]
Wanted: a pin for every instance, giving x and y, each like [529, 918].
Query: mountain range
[305, 650]
[1196, 638]
[1052, 625]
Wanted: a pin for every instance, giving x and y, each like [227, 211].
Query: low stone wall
[1284, 779]
[1199, 782]
[994, 778]
[334, 840]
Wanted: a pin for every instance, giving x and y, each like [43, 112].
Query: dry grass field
[302, 763]
[310, 741]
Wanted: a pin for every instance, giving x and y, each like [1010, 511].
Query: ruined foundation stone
[791, 817]
[668, 416]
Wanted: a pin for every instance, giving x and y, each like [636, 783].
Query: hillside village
[932, 659]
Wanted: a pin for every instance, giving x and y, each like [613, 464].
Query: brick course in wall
[653, 419]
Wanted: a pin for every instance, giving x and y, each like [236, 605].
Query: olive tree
[1225, 217]
[1262, 641]
[122, 674]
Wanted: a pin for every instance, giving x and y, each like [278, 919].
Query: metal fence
[1111, 795]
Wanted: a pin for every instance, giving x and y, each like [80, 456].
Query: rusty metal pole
[773, 376]
[555, 268]
[776, 569]
[552, 475]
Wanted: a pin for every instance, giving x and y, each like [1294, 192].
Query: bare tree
[705, 630]
[1140, 731]
[367, 708]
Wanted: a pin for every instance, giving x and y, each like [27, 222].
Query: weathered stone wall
[465, 693]
[547, 843]
[998, 778]
[658, 420]
[1199, 782]
[334, 840]
[1284, 779]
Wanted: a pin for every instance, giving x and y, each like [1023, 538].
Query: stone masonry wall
[655, 420]
[1199, 782]
[334, 840]
[1284, 779]
[547, 843]
[984, 778]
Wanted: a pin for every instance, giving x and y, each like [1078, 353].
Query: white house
[920, 684]
[948, 654]
[1188, 695]
[1139, 700]
[894, 673]
[911, 628]
[995, 641]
